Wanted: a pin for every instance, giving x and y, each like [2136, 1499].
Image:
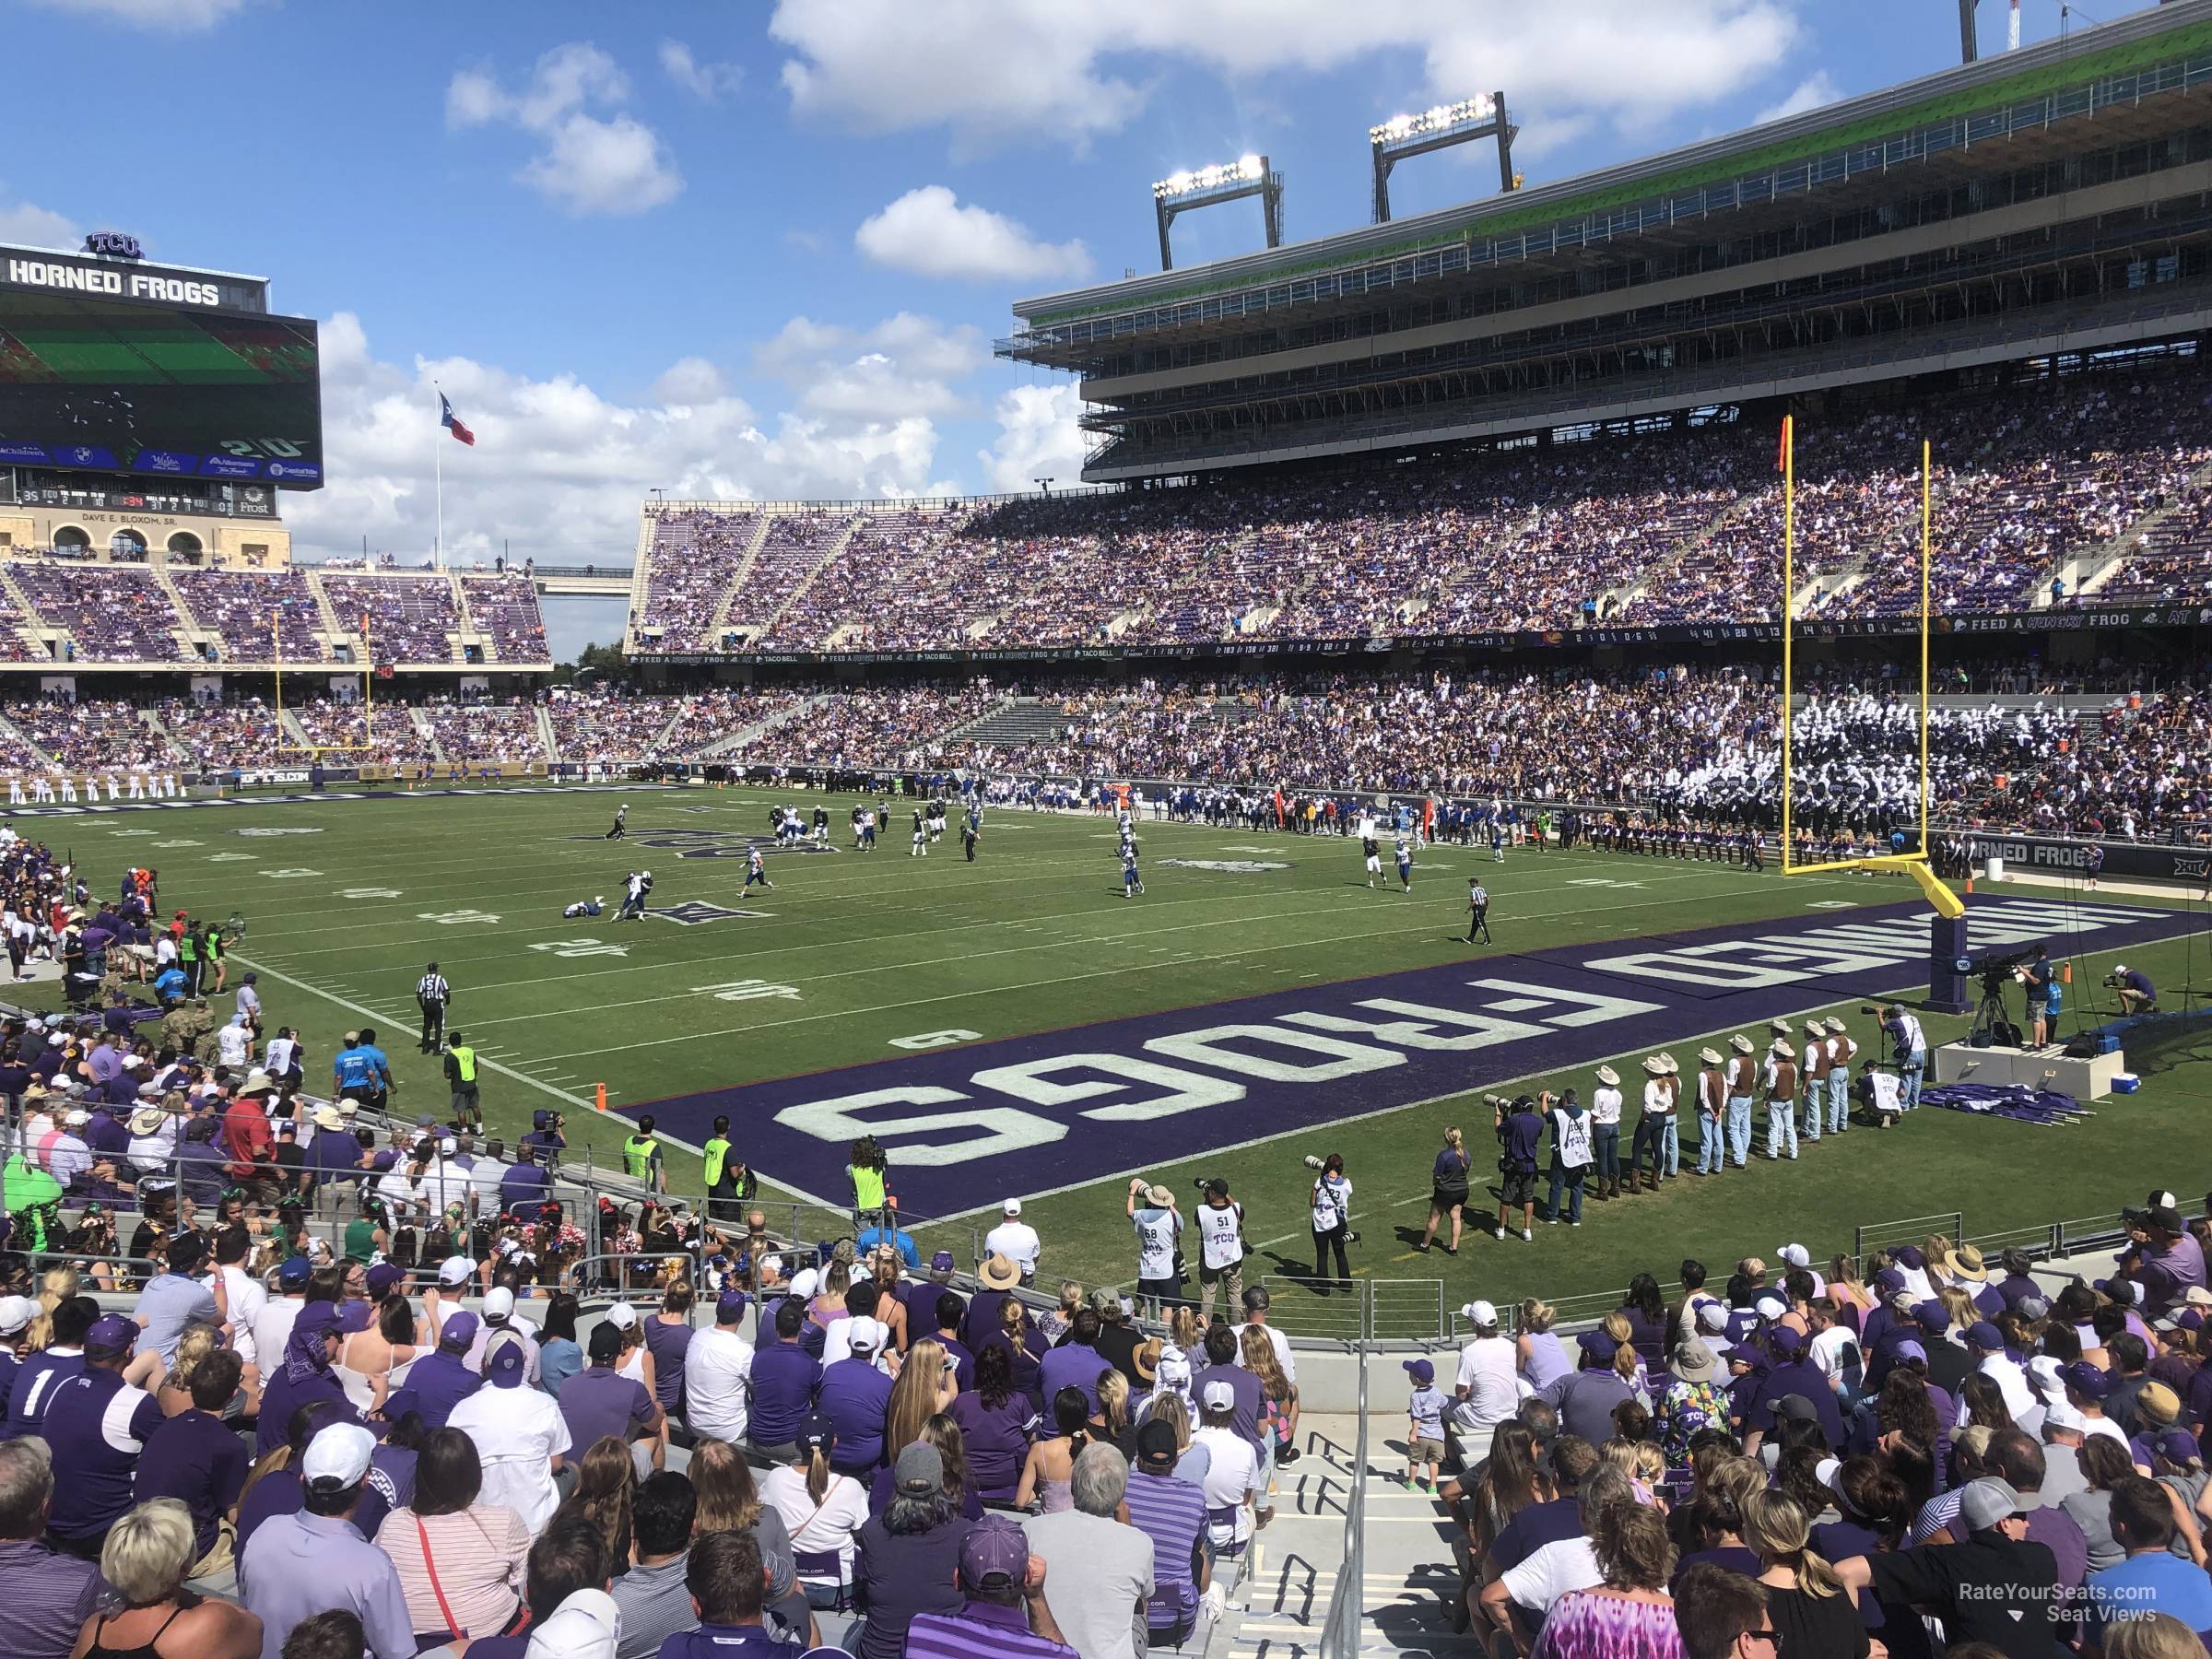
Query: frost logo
[1227, 866]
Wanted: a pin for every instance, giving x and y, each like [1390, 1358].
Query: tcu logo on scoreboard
[113, 244]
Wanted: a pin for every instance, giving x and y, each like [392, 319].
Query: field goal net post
[1915, 862]
[368, 671]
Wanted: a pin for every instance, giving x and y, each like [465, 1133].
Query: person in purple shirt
[44, 1597]
[96, 1427]
[1793, 1374]
[195, 1458]
[998, 1423]
[525, 1186]
[302, 1375]
[1006, 1614]
[278, 1491]
[785, 1377]
[999, 1276]
[1077, 1362]
[41, 1374]
[106, 1135]
[947, 1320]
[598, 1401]
[667, 1335]
[855, 1396]
[1221, 1366]
[440, 1379]
[922, 1296]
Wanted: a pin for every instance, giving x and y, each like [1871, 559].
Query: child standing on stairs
[1425, 1433]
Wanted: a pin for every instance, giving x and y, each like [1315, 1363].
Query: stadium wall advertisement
[1689, 633]
[1056, 1109]
[2127, 860]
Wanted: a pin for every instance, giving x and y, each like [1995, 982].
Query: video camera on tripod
[1993, 969]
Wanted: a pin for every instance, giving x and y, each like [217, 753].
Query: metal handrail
[1347, 1600]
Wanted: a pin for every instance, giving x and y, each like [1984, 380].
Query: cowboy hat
[1711, 1056]
[998, 1273]
[326, 1117]
[1740, 1044]
[1781, 1028]
[1674, 1066]
[1656, 1065]
[1609, 1077]
[146, 1120]
[258, 1082]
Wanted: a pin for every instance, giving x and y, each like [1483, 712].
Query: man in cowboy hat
[1652, 1127]
[1742, 1073]
[1841, 1051]
[1605, 1123]
[1781, 1100]
[1813, 1074]
[1713, 1111]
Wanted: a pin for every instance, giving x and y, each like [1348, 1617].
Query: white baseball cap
[622, 1316]
[1796, 1255]
[338, 1454]
[1218, 1396]
[1770, 1307]
[805, 1282]
[866, 1335]
[2062, 1415]
[1480, 1312]
[499, 1302]
[455, 1270]
[586, 1625]
[1713, 1316]
[1013, 1207]
[16, 1313]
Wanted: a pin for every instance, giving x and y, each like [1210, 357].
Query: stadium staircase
[1010, 721]
[418, 721]
[2085, 572]
[757, 729]
[471, 633]
[729, 595]
[188, 634]
[1616, 602]
[169, 742]
[639, 562]
[545, 733]
[334, 635]
[32, 624]
[295, 735]
[836, 546]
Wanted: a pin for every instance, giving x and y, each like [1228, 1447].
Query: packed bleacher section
[506, 733]
[694, 556]
[408, 618]
[1703, 743]
[112, 613]
[260, 616]
[506, 608]
[2173, 559]
[1678, 527]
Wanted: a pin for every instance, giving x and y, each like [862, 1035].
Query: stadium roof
[2133, 42]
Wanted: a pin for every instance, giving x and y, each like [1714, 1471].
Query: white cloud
[998, 71]
[1816, 89]
[29, 225]
[709, 81]
[927, 231]
[588, 164]
[175, 16]
[559, 468]
[689, 381]
[1038, 438]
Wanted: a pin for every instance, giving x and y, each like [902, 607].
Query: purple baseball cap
[995, 1555]
[1421, 1371]
[355, 1316]
[941, 1261]
[1909, 1350]
[110, 1334]
[1931, 1316]
[730, 1306]
[459, 1329]
[1984, 1335]
[1786, 1339]
[1597, 1345]
[505, 1367]
[383, 1277]
[2086, 1379]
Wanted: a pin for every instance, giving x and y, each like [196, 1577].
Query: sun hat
[998, 1273]
[1694, 1362]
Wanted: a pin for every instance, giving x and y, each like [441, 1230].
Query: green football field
[346, 902]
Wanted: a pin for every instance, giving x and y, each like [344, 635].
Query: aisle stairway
[1017, 720]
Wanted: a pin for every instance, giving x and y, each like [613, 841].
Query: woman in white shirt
[1605, 1132]
[821, 1510]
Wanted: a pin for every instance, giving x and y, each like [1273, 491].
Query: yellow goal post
[368, 695]
[1914, 863]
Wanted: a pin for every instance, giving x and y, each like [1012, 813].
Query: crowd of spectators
[221, 737]
[255, 613]
[111, 613]
[693, 558]
[898, 726]
[379, 735]
[701, 719]
[470, 732]
[506, 608]
[409, 619]
[597, 727]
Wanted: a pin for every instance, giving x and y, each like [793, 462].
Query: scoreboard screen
[116, 386]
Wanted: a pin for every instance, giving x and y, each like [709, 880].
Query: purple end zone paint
[965, 1126]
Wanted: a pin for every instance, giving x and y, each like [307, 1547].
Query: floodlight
[1248, 175]
[1438, 127]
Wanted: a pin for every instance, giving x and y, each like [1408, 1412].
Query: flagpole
[438, 466]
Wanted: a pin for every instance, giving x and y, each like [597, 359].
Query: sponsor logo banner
[1059, 1108]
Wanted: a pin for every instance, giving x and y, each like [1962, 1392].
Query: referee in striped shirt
[431, 995]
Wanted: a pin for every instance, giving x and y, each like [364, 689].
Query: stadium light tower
[1404, 135]
[1207, 186]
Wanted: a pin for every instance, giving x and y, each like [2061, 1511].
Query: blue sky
[763, 249]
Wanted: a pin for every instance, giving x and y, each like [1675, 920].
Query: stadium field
[1014, 1026]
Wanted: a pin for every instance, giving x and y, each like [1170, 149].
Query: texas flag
[451, 422]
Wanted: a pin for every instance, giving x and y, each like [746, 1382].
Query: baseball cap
[1480, 1312]
[866, 1336]
[2177, 1446]
[1597, 1345]
[1104, 1301]
[1909, 1350]
[730, 1306]
[1174, 1368]
[817, 1433]
[1770, 1307]
[1984, 1335]
[1216, 1396]
[355, 1316]
[1012, 1206]
[383, 1275]
[603, 1345]
[2086, 1379]
[2062, 1415]
[295, 1272]
[1785, 1339]
[459, 1329]
[941, 1261]
[1711, 1316]
[921, 1470]
[1794, 1406]
[622, 1316]
[586, 1625]
[1987, 1501]
[1421, 1371]
[498, 1303]
[995, 1555]
[504, 1366]
[1796, 1255]
[1156, 1447]
[337, 1457]
[110, 1334]
[455, 1270]
[1257, 1300]
[16, 1313]
[1931, 1316]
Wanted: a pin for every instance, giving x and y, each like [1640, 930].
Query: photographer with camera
[2137, 995]
[1221, 1223]
[1158, 1243]
[1519, 1132]
[1909, 1048]
[1331, 1217]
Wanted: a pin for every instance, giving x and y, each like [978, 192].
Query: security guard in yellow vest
[642, 1158]
[461, 1077]
[716, 1153]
